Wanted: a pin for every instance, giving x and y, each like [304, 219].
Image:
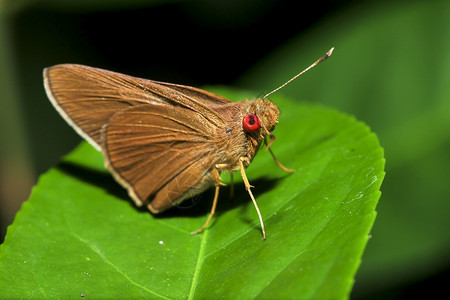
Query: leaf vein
[200, 259]
[116, 268]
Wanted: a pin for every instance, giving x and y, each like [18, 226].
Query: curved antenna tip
[305, 70]
[330, 51]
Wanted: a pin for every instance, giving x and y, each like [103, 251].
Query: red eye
[251, 123]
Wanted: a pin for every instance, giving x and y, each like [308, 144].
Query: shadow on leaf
[101, 179]
[199, 205]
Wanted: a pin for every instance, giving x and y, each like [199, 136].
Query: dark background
[216, 42]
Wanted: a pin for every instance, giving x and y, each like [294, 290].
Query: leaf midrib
[200, 259]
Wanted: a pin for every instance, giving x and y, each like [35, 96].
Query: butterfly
[163, 142]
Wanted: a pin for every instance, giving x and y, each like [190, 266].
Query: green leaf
[80, 234]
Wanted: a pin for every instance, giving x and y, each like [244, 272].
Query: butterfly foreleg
[274, 158]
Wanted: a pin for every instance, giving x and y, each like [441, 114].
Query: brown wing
[161, 154]
[88, 97]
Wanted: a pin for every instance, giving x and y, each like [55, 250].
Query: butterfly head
[261, 117]
[260, 120]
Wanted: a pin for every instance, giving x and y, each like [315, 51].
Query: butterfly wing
[156, 137]
[161, 154]
[88, 97]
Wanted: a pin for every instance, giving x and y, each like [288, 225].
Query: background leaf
[80, 234]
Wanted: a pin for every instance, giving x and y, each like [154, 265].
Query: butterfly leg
[215, 174]
[231, 185]
[279, 164]
[247, 187]
[272, 138]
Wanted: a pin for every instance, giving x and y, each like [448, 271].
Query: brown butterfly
[163, 142]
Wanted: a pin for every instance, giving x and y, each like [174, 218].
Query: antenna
[328, 54]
